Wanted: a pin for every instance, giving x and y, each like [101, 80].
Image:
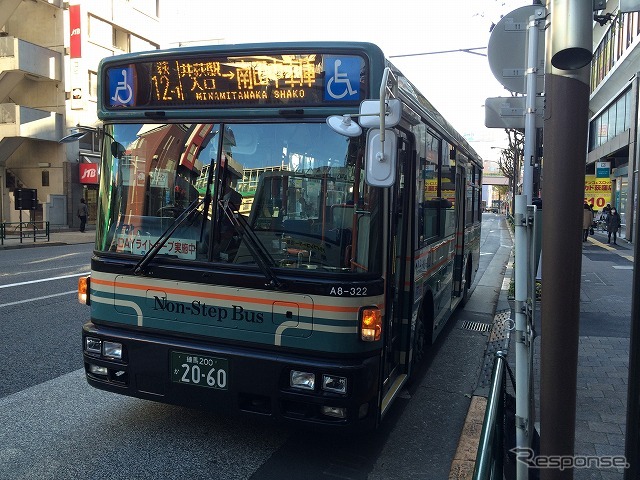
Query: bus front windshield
[288, 195]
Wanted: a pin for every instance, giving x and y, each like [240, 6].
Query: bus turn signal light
[83, 290]
[370, 324]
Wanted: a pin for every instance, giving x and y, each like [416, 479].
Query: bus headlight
[333, 383]
[93, 345]
[98, 370]
[303, 380]
[112, 350]
[338, 412]
[370, 324]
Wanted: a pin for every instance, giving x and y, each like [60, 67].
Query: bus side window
[430, 214]
[342, 215]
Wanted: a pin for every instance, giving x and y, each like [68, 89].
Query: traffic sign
[507, 49]
[508, 112]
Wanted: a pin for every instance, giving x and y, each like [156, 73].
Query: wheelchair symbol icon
[123, 93]
[339, 85]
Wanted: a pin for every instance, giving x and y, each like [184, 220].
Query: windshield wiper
[166, 235]
[262, 257]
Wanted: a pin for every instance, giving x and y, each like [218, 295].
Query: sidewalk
[603, 354]
[58, 237]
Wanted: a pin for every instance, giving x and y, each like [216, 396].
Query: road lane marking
[50, 279]
[67, 267]
[57, 257]
[37, 298]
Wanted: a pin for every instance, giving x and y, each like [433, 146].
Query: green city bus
[283, 229]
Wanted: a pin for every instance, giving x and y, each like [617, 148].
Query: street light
[117, 150]
[78, 134]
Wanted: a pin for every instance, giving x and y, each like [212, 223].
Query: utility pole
[569, 45]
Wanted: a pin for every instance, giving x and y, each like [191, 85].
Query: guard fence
[24, 231]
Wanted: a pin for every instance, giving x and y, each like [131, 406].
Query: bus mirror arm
[382, 113]
[383, 105]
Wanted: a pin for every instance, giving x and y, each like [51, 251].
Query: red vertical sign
[75, 40]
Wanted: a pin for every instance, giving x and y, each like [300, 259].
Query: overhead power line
[464, 50]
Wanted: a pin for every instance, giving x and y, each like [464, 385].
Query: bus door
[398, 214]
[461, 188]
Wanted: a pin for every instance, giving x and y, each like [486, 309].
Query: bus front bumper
[228, 378]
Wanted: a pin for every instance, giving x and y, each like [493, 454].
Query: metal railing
[23, 230]
[491, 446]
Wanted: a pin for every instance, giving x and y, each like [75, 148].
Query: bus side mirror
[381, 165]
[117, 150]
[370, 113]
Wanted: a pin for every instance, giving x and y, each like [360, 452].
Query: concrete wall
[44, 25]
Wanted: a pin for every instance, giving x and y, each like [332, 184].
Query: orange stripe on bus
[431, 250]
[218, 296]
[433, 268]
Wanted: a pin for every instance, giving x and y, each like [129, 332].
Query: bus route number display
[232, 81]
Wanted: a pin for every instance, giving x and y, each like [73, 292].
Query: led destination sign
[232, 81]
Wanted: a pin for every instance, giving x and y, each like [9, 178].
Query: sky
[457, 84]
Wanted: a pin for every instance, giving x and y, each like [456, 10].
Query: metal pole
[632, 435]
[522, 341]
[530, 106]
[492, 420]
[565, 140]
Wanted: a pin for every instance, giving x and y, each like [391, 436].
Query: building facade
[49, 56]
[612, 158]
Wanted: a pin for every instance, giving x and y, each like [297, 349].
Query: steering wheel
[169, 211]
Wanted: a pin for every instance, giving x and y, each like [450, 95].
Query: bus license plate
[200, 370]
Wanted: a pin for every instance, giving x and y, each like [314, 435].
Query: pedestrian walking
[613, 224]
[587, 221]
[83, 212]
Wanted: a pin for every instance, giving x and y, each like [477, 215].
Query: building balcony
[615, 59]
[39, 63]
[24, 122]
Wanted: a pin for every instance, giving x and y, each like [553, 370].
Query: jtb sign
[89, 173]
[75, 37]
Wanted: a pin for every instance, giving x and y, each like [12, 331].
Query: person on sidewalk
[83, 211]
[587, 221]
[613, 224]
